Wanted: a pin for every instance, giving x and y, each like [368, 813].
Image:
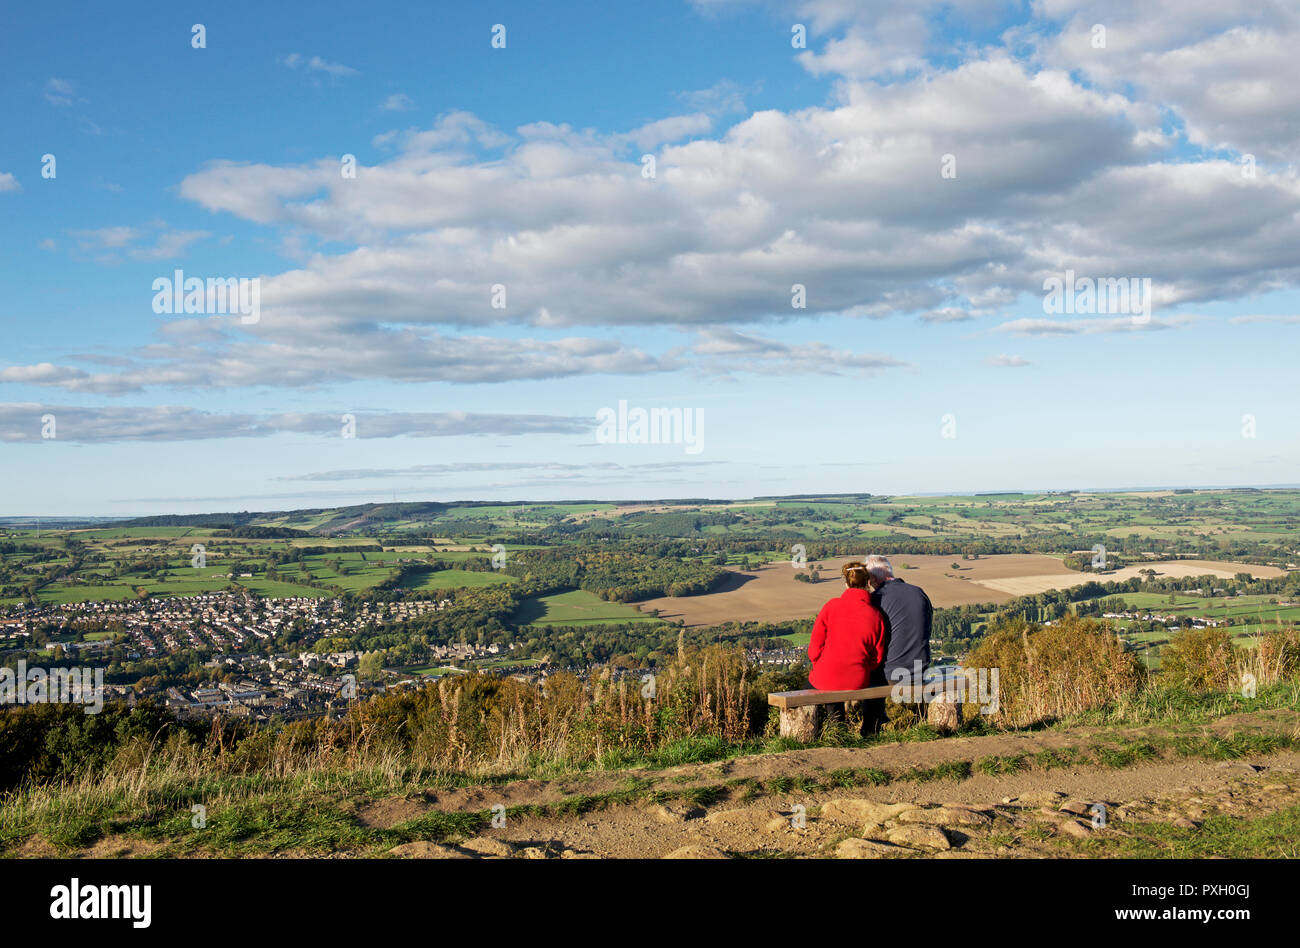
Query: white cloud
[62, 92]
[398, 102]
[479, 467]
[846, 200]
[1244, 320]
[724, 97]
[660, 132]
[317, 64]
[201, 354]
[725, 351]
[1225, 68]
[105, 238]
[167, 244]
[1092, 325]
[711, 238]
[947, 315]
[8, 182]
[23, 422]
[170, 244]
[1005, 361]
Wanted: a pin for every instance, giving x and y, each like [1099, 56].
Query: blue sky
[523, 166]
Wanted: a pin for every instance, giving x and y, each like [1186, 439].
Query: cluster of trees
[1083, 562]
[296, 554]
[264, 533]
[613, 576]
[478, 615]
[673, 523]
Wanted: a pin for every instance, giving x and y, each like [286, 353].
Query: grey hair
[879, 568]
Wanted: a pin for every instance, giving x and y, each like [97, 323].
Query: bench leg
[944, 713]
[801, 723]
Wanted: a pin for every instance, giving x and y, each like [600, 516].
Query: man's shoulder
[903, 589]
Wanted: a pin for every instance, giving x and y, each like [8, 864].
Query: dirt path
[1021, 814]
[982, 816]
[1067, 792]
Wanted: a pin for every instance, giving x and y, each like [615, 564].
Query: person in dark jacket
[908, 620]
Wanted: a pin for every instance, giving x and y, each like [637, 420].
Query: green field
[454, 578]
[1238, 607]
[577, 607]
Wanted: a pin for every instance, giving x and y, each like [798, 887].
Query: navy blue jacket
[908, 617]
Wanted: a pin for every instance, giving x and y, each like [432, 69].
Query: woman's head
[855, 574]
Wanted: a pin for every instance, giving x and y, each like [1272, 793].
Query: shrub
[1047, 672]
[1199, 660]
[1275, 658]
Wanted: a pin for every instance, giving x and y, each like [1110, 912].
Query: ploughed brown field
[771, 594]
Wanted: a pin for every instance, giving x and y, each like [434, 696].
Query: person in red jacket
[848, 638]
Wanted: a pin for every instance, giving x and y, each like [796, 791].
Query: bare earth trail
[1028, 813]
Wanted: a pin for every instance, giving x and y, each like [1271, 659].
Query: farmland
[769, 594]
[521, 577]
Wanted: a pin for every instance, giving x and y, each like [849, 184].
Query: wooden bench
[802, 711]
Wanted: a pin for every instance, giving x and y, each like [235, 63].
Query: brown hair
[855, 574]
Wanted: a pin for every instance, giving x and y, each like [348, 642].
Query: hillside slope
[1227, 788]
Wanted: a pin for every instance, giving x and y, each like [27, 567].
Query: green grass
[57, 593]
[455, 578]
[280, 590]
[1271, 836]
[119, 533]
[312, 812]
[577, 607]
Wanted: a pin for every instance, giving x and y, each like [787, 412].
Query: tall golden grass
[1199, 660]
[1276, 657]
[476, 724]
[1048, 672]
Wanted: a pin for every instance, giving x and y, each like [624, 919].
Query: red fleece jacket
[848, 641]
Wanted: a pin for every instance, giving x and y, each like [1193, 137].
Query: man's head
[879, 569]
[855, 574]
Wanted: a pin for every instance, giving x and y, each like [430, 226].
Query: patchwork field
[771, 594]
[1028, 585]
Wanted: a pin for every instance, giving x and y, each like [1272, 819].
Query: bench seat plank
[799, 699]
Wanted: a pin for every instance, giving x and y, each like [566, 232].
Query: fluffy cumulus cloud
[846, 200]
[471, 253]
[1224, 67]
